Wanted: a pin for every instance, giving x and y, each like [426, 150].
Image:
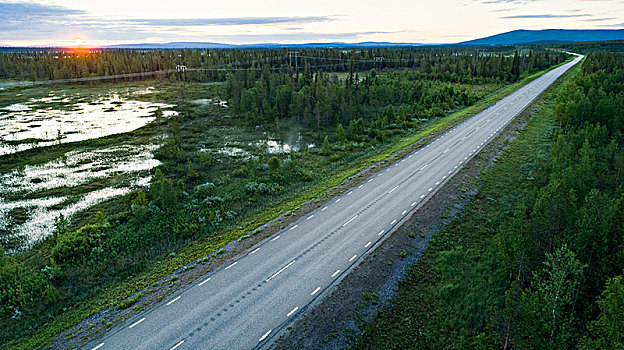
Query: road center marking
[280, 271]
[348, 222]
[208, 279]
[137, 322]
[178, 344]
[174, 300]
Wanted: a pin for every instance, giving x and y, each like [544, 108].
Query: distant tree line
[77, 63]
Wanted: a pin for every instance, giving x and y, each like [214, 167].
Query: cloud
[546, 16]
[599, 19]
[184, 22]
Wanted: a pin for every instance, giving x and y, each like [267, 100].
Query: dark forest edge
[193, 202]
[535, 261]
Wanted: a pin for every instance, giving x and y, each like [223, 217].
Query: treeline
[535, 263]
[436, 86]
[77, 63]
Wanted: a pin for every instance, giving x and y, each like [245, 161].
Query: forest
[350, 104]
[546, 270]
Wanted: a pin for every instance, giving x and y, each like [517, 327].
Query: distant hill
[547, 36]
[211, 45]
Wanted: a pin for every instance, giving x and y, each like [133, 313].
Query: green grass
[445, 299]
[120, 290]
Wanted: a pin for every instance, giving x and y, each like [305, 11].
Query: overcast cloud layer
[250, 21]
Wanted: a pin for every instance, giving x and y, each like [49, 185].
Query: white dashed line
[178, 344]
[323, 208]
[437, 183]
[402, 160]
[137, 322]
[292, 228]
[413, 204]
[256, 250]
[429, 190]
[422, 196]
[348, 222]
[208, 279]
[360, 186]
[338, 200]
[424, 167]
[395, 187]
[236, 262]
[292, 311]
[335, 273]
[393, 222]
[443, 177]
[310, 217]
[174, 300]
[349, 193]
[276, 238]
[99, 346]
[381, 232]
[404, 211]
[265, 335]
[446, 150]
[352, 258]
[315, 291]
[367, 244]
[280, 271]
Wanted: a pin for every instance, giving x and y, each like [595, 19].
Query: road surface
[246, 302]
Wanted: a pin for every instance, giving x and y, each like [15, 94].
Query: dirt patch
[334, 322]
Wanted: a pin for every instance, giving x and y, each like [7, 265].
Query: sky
[107, 22]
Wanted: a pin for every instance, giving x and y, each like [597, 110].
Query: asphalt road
[249, 300]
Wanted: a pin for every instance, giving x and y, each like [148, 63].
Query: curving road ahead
[249, 300]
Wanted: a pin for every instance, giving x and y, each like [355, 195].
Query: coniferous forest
[546, 270]
[554, 257]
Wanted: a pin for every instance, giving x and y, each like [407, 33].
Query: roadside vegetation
[536, 259]
[196, 202]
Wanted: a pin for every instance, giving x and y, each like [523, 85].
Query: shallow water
[56, 119]
[129, 165]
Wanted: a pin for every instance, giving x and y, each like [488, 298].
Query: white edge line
[178, 344]
[207, 279]
[293, 311]
[265, 335]
[137, 322]
[174, 300]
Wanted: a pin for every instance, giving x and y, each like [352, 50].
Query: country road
[247, 301]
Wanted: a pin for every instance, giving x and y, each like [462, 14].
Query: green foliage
[124, 304]
[607, 331]
[326, 148]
